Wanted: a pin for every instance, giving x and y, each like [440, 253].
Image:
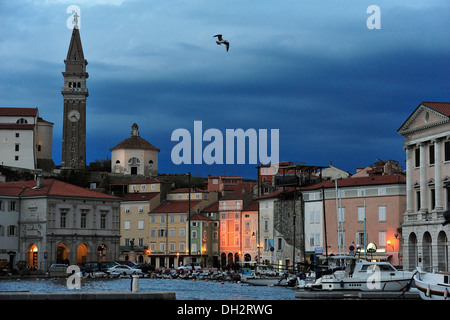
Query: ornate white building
[427, 145]
[49, 221]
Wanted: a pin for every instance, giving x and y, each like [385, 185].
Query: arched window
[22, 120]
[117, 161]
[134, 160]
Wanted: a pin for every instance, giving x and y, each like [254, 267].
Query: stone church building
[135, 155]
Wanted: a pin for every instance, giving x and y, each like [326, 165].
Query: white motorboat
[262, 275]
[362, 275]
[432, 285]
[264, 280]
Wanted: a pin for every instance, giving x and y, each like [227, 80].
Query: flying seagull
[221, 41]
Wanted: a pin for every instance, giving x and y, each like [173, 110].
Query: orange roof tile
[178, 206]
[51, 187]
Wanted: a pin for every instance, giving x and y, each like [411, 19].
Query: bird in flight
[220, 41]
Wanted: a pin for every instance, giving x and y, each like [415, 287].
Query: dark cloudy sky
[336, 90]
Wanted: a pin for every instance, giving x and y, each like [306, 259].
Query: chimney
[39, 181]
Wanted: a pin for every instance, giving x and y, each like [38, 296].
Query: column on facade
[437, 175]
[423, 178]
[409, 184]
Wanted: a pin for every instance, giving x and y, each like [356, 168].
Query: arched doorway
[442, 251]
[230, 260]
[412, 250]
[426, 249]
[32, 256]
[82, 254]
[223, 259]
[247, 257]
[62, 254]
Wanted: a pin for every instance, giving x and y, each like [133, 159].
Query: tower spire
[75, 93]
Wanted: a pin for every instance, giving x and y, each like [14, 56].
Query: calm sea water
[184, 289]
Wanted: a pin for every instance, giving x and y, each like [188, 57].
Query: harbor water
[184, 289]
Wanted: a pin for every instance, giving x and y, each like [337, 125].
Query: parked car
[57, 270]
[123, 270]
[146, 268]
[189, 267]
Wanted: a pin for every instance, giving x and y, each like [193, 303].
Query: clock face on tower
[73, 115]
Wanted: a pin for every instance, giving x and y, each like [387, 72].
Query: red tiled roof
[274, 194]
[198, 216]
[139, 196]
[360, 181]
[51, 187]
[253, 206]
[178, 206]
[135, 143]
[186, 190]
[214, 207]
[20, 112]
[441, 107]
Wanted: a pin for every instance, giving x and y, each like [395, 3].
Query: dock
[85, 295]
[359, 295]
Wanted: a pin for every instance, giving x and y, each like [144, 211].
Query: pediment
[422, 118]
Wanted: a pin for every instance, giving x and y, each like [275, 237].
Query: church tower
[75, 93]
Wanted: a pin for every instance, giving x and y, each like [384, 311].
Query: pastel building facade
[354, 213]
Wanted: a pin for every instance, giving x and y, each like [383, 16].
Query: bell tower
[75, 93]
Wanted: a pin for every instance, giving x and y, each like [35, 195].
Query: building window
[417, 157]
[134, 160]
[382, 238]
[62, 219]
[12, 206]
[360, 238]
[280, 244]
[21, 121]
[16, 158]
[12, 230]
[127, 224]
[431, 153]
[361, 214]
[152, 233]
[16, 147]
[194, 234]
[382, 213]
[141, 224]
[103, 221]
[418, 200]
[83, 220]
[433, 199]
[17, 135]
[447, 151]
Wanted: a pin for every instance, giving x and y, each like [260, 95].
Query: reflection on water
[184, 289]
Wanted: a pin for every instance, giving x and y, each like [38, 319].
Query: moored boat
[362, 275]
[432, 285]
